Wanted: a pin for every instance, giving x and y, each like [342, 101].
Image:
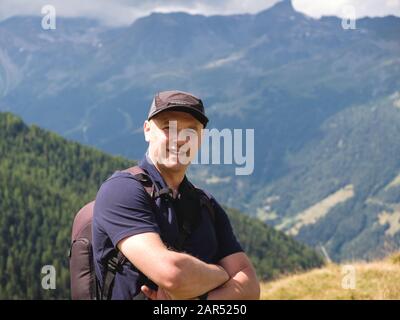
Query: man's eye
[190, 132]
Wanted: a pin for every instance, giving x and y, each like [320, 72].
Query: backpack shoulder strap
[206, 201]
[140, 175]
[114, 264]
[190, 221]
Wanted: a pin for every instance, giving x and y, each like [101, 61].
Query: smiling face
[174, 138]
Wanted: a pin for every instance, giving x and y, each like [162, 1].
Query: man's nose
[180, 138]
[180, 143]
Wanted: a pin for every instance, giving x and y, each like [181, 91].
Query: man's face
[174, 138]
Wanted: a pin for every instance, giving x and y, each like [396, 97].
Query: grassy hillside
[45, 179]
[374, 280]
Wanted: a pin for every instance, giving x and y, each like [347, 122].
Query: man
[212, 264]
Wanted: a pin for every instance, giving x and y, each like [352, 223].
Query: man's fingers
[149, 293]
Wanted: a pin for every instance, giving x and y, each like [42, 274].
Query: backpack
[84, 283]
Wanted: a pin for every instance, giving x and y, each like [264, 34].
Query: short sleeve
[227, 241]
[123, 208]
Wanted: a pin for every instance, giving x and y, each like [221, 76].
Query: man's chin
[173, 164]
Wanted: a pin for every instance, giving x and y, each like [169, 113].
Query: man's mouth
[176, 152]
[173, 151]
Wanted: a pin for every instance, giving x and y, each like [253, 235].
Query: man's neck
[172, 178]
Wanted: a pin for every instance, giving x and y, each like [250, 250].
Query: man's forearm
[241, 286]
[195, 277]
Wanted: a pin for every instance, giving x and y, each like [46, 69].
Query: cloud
[340, 8]
[122, 12]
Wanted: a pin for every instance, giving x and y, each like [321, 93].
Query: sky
[124, 12]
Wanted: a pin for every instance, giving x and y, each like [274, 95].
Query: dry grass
[392, 219]
[373, 281]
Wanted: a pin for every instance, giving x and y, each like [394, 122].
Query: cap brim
[188, 109]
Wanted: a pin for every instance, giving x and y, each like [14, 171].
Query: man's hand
[159, 294]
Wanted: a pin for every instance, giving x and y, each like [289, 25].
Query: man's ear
[146, 130]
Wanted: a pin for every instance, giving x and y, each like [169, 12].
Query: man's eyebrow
[165, 121]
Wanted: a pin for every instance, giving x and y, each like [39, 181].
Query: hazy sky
[120, 12]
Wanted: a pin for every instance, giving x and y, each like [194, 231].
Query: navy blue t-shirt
[123, 208]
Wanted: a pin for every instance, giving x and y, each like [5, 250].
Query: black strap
[190, 219]
[114, 265]
[163, 192]
[206, 202]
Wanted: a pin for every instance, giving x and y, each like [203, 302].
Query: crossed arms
[181, 276]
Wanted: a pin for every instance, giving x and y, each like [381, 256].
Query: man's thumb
[149, 293]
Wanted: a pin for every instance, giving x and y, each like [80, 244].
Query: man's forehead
[176, 116]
